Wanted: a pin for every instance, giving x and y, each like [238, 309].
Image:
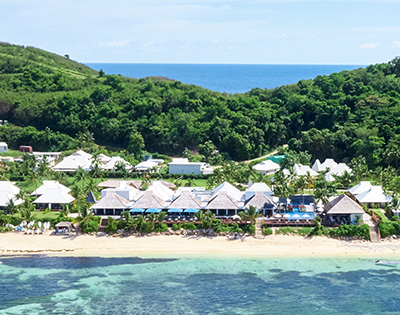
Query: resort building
[148, 166]
[343, 210]
[267, 167]
[111, 203]
[3, 147]
[183, 166]
[360, 188]
[50, 184]
[53, 199]
[8, 192]
[51, 157]
[114, 161]
[72, 162]
[301, 170]
[374, 196]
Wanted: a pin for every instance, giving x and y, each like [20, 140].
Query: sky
[358, 32]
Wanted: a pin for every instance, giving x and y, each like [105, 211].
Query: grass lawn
[38, 215]
[13, 153]
[379, 214]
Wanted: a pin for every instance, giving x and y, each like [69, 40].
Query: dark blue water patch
[50, 262]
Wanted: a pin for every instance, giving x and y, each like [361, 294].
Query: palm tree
[85, 215]
[80, 176]
[126, 215]
[95, 167]
[250, 214]
[200, 216]
[209, 219]
[161, 216]
[153, 219]
[11, 207]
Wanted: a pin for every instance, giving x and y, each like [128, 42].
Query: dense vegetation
[343, 115]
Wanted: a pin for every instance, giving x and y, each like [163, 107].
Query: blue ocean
[131, 285]
[229, 78]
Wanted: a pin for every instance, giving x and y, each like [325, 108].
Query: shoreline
[173, 246]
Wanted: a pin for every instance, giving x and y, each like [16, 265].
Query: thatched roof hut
[185, 200]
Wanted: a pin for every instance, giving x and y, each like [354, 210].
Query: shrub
[91, 226]
[161, 227]
[176, 227]
[189, 226]
[286, 230]
[351, 231]
[389, 228]
[121, 224]
[268, 231]
[304, 231]
[112, 226]
[249, 228]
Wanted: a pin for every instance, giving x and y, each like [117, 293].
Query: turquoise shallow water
[82, 285]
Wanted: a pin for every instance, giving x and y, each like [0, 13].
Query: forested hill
[341, 116]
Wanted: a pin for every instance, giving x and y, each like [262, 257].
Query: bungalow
[8, 192]
[183, 166]
[53, 199]
[50, 184]
[374, 195]
[115, 160]
[360, 188]
[223, 204]
[343, 210]
[111, 204]
[261, 202]
[267, 167]
[3, 147]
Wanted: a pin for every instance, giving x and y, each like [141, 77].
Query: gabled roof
[111, 201]
[185, 201]
[90, 198]
[162, 191]
[374, 195]
[222, 200]
[340, 169]
[317, 166]
[302, 170]
[263, 187]
[83, 154]
[232, 191]
[72, 163]
[329, 177]
[343, 204]
[8, 187]
[148, 200]
[114, 160]
[8, 191]
[259, 201]
[112, 183]
[329, 163]
[50, 184]
[54, 195]
[360, 188]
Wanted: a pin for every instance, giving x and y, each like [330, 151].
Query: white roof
[232, 191]
[146, 165]
[329, 163]
[184, 161]
[160, 190]
[317, 166]
[50, 184]
[259, 187]
[329, 177]
[266, 166]
[55, 195]
[114, 160]
[302, 170]
[360, 188]
[3, 143]
[104, 158]
[374, 195]
[72, 163]
[340, 169]
[83, 154]
[7, 192]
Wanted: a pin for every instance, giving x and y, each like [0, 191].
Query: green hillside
[51, 101]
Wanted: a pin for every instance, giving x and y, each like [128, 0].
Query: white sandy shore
[187, 246]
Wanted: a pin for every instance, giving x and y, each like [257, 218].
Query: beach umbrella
[277, 215]
[236, 217]
[191, 210]
[153, 210]
[174, 211]
[306, 216]
[296, 216]
[286, 215]
[136, 210]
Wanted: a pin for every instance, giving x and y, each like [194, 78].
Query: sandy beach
[187, 246]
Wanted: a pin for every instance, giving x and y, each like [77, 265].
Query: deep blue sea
[230, 78]
[93, 285]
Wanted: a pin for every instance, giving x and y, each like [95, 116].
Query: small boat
[387, 263]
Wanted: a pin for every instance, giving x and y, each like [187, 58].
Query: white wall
[3, 147]
[185, 168]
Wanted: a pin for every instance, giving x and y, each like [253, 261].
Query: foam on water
[196, 286]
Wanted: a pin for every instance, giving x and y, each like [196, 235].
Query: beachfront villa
[332, 168]
[343, 210]
[224, 201]
[8, 192]
[301, 170]
[370, 195]
[52, 195]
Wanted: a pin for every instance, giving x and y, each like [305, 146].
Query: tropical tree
[282, 188]
[200, 216]
[152, 218]
[80, 176]
[11, 207]
[250, 214]
[43, 168]
[161, 216]
[209, 218]
[323, 189]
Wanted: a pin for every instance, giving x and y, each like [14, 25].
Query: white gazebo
[53, 199]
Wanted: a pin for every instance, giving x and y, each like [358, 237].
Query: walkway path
[373, 229]
[259, 233]
[265, 156]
